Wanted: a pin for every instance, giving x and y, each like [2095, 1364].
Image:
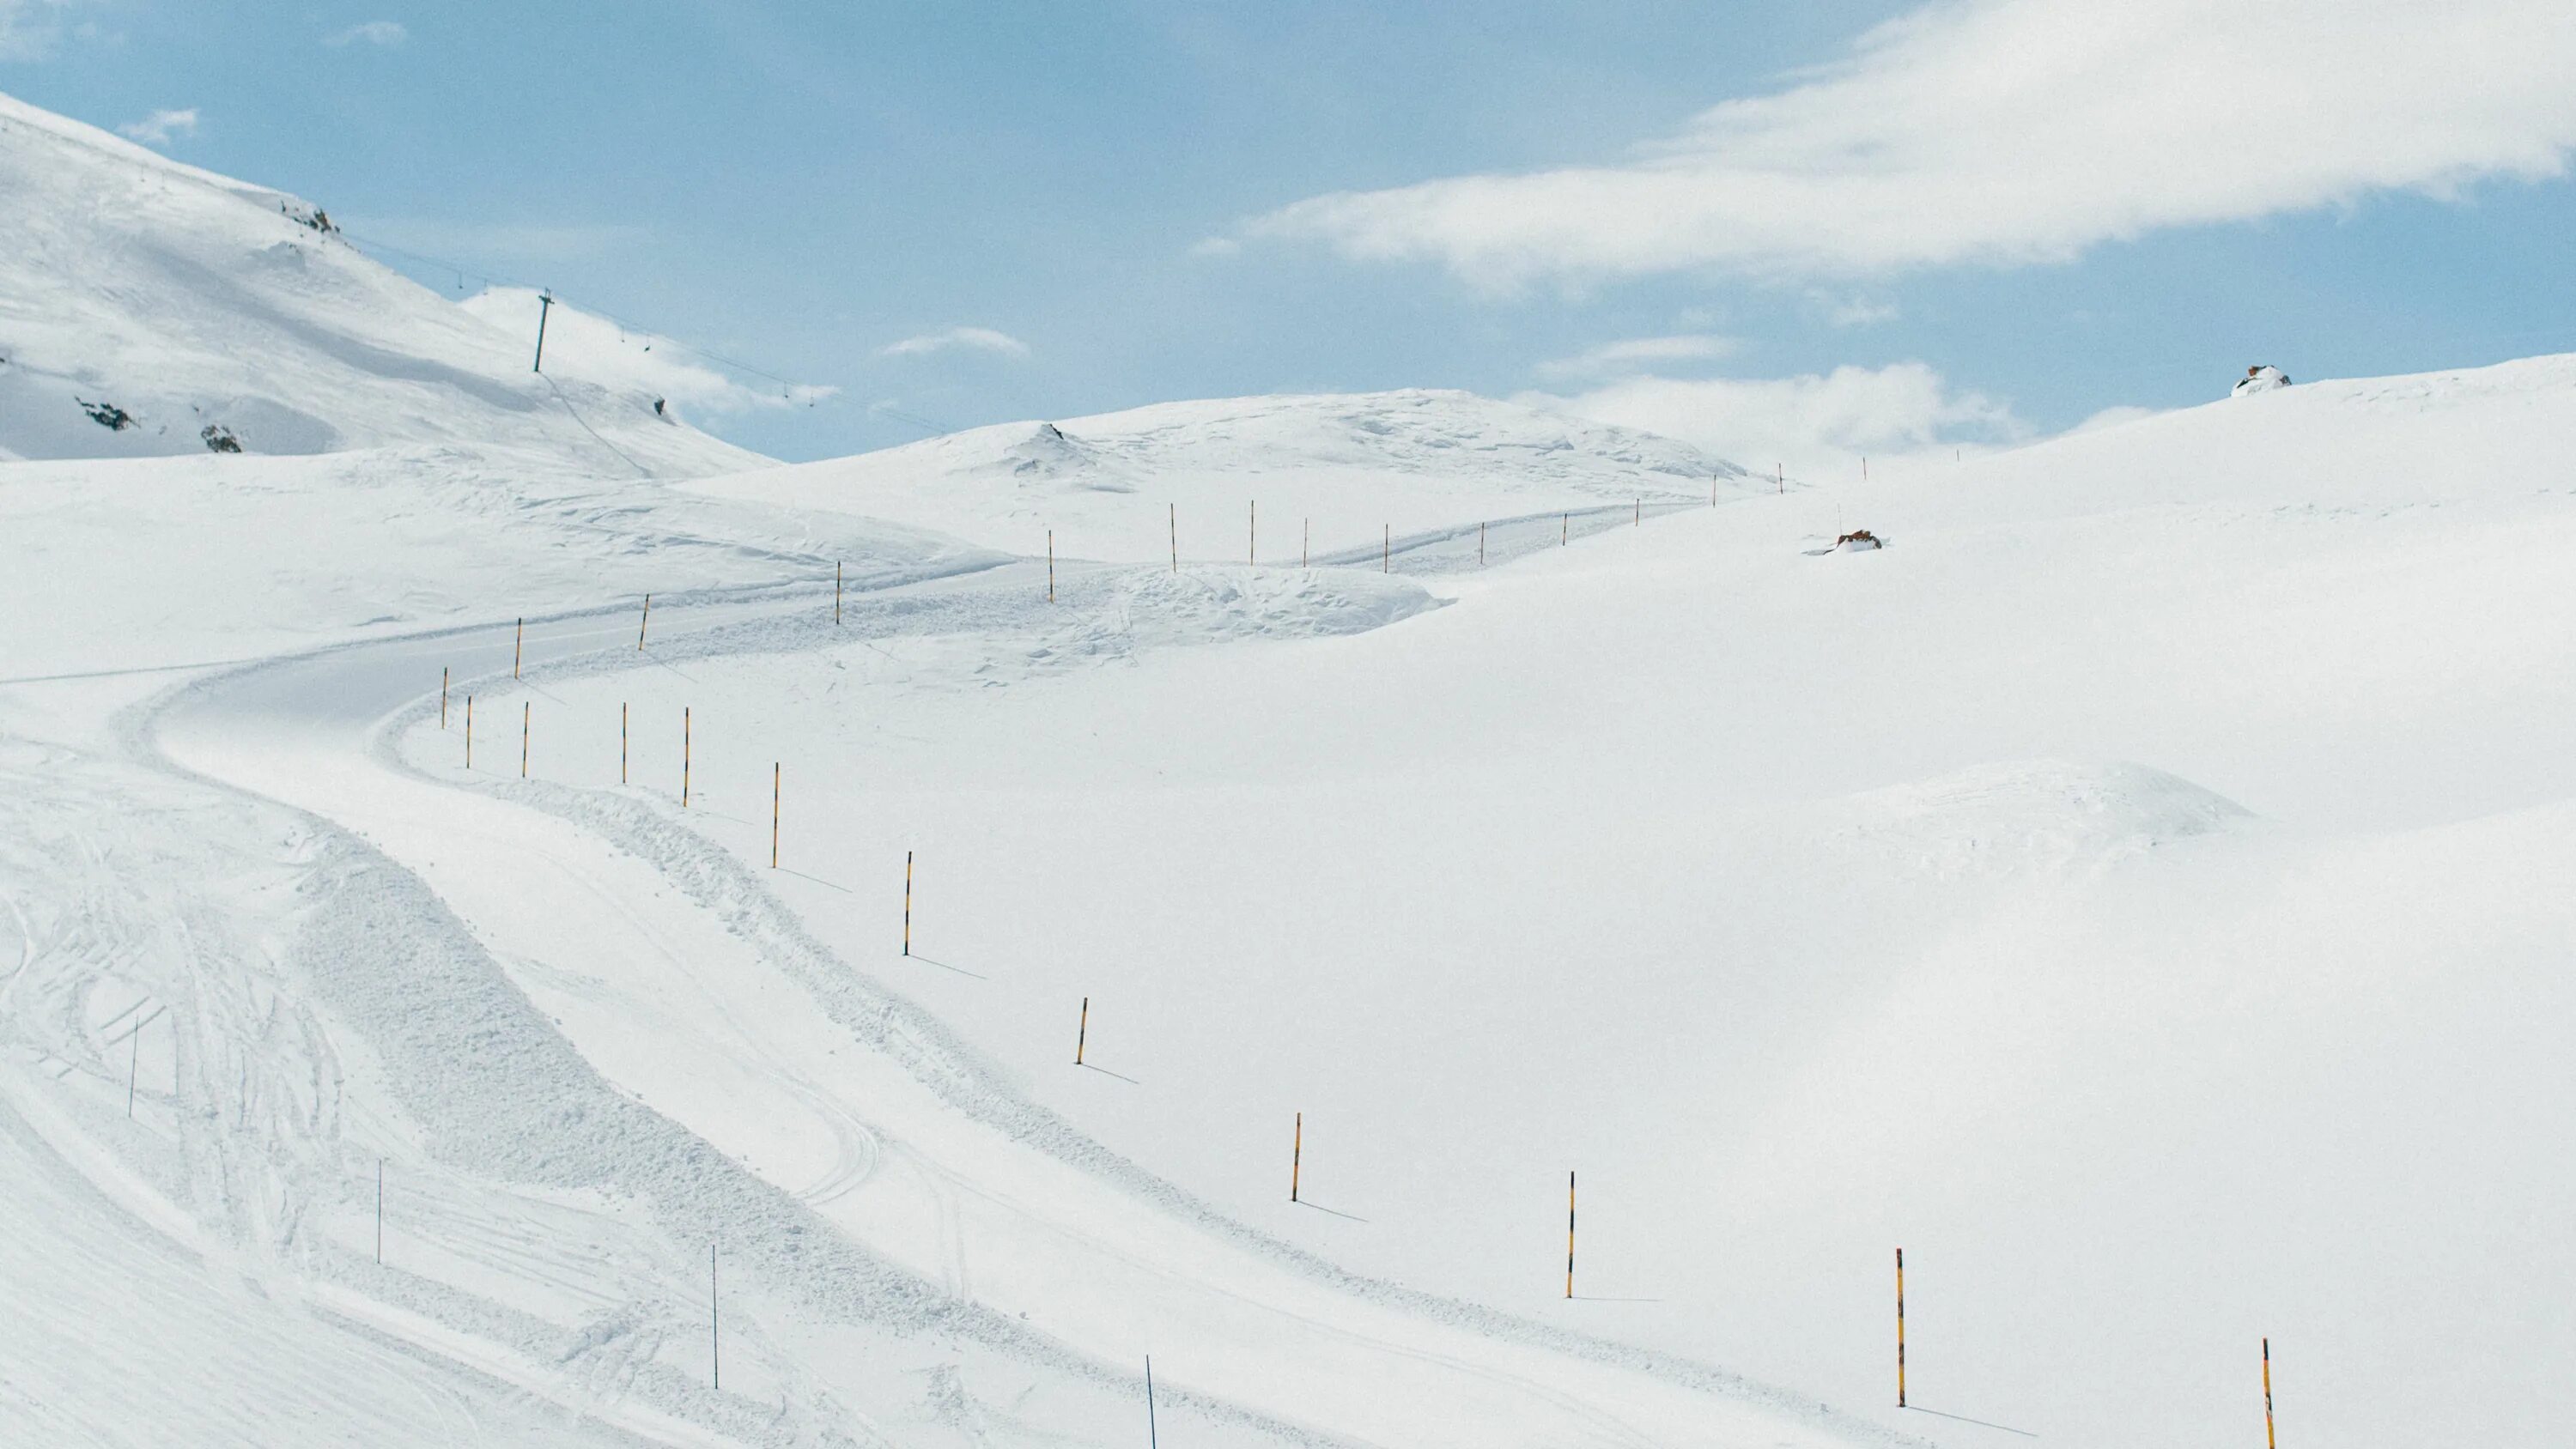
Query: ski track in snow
[531, 1175]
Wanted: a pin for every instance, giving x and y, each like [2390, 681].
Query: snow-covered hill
[152, 308]
[1275, 478]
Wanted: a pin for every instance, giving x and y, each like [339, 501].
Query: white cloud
[374, 32]
[157, 129]
[29, 29]
[1853, 311]
[2017, 131]
[1636, 353]
[1215, 246]
[975, 339]
[1817, 426]
[597, 350]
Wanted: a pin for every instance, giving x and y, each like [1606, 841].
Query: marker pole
[1386, 551]
[1150, 1441]
[621, 744]
[715, 1342]
[1305, 543]
[1050, 565]
[442, 696]
[518, 647]
[1900, 1328]
[1480, 545]
[523, 739]
[1296, 1156]
[1564, 529]
[836, 593]
[133, 1069]
[2268, 1441]
[1640, 520]
[1252, 534]
[644, 623]
[684, 757]
[1569, 1235]
[1176, 535]
[1082, 1033]
[380, 1212]
[907, 904]
[773, 815]
[469, 732]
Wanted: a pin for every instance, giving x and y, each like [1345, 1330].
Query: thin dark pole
[1569, 1235]
[545, 303]
[907, 903]
[1150, 1438]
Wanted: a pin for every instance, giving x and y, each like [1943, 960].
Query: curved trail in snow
[680, 988]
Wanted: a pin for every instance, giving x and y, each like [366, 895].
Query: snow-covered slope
[1277, 478]
[152, 308]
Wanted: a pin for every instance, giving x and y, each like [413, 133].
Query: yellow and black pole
[2268, 1441]
[1900, 1328]
[1569, 1235]
[1296, 1156]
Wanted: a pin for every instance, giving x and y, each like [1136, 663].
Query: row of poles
[1082, 1027]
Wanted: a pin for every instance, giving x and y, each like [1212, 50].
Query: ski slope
[2135, 892]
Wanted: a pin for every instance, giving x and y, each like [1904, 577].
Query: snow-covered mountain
[1328, 470]
[153, 308]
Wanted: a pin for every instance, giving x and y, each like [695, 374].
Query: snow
[1272, 479]
[2137, 893]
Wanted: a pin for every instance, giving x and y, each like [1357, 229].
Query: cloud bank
[374, 32]
[971, 339]
[2017, 131]
[1816, 426]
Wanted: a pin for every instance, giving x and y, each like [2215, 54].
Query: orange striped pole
[1082, 1032]
[1569, 1235]
[907, 907]
[773, 814]
[644, 623]
[2268, 1441]
[1296, 1156]
[1900, 1328]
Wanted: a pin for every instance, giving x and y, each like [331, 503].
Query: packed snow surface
[2138, 893]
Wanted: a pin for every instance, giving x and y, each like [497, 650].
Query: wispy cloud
[972, 339]
[1854, 310]
[29, 29]
[2017, 131]
[1636, 354]
[1815, 425]
[157, 129]
[374, 32]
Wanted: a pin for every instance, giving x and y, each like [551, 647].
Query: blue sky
[1996, 218]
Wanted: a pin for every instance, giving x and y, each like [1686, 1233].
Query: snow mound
[1268, 479]
[150, 308]
[2029, 816]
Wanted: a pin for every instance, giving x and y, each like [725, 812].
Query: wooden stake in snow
[621, 743]
[1050, 565]
[773, 814]
[644, 623]
[1386, 556]
[1252, 534]
[2268, 1441]
[1564, 528]
[1569, 1235]
[518, 647]
[684, 757]
[1082, 1032]
[836, 593]
[1296, 1156]
[380, 1211]
[1480, 545]
[715, 1340]
[1900, 1328]
[907, 903]
[1176, 535]
[523, 739]
[442, 696]
[1305, 543]
[469, 732]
